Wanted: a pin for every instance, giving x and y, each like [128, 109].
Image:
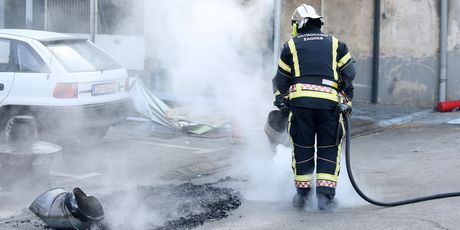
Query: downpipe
[362, 194]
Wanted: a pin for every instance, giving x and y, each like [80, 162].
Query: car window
[29, 61]
[5, 56]
[81, 56]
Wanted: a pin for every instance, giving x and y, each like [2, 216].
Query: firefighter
[315, 73]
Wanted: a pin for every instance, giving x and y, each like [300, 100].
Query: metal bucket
[61, 209]
[276, 129]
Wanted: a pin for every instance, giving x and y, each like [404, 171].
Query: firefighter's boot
[326, 202]
[300, 198]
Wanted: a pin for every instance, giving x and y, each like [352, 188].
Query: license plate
[102, 89]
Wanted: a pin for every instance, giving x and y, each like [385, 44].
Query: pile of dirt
[181, 206]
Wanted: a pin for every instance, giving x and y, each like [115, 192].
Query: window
[5, 57]
[81, 56]
[28, 60]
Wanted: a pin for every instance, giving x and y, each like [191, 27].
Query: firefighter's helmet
[302, 14]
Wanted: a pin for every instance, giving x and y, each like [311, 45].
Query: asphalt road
[414, 159]
[406, 161]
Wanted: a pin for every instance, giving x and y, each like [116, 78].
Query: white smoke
[217, 54]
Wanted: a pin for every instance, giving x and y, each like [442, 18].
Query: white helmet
[302, 14]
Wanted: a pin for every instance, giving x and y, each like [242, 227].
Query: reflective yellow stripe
[303, 178]
[335, 46]
[284, 66]
[339, 149]
[277, 93]
[344, 60]
[325, 176]
[315, 94]
[295, 57]
[294, 169]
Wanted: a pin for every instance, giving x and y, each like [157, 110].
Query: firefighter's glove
[348, 109]
[281, 105]
[348, 112]
[343, 85]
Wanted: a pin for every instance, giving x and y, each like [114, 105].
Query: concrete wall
[353, 24]
[409, 58]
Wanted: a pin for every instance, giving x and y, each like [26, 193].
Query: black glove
[281, 105]
[343, 85]
[348, 112]
[345, 109]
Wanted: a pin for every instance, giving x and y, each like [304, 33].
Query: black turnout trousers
[327, 126]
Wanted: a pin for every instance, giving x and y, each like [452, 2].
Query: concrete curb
[404, 119]
[382, 124]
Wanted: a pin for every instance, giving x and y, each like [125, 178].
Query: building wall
[409, 47]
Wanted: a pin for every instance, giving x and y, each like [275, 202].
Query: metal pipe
[376, 53]
[46, 16]
[276, 31]
[29, 14]
[443, 51]
[2, 13]
[92, 20]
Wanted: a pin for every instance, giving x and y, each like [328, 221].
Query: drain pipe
[443, 51]
[376, 53]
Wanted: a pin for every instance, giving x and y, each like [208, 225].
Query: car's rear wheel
[93, 134]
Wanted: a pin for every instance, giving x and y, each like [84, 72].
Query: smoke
[217, 57]
[216, 53]
[270, 175]
[271, 179]
[345, 193]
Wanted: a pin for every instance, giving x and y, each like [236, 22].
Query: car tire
[93, 135]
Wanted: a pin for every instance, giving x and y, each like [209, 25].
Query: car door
[6, 67]
[31, 78]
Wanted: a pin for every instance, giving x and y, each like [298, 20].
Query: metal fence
[68, 16]
[74, 16]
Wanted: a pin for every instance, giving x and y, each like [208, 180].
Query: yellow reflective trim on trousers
[325, 176]
[294, 169]
[303, 178]
[339, 149]
[295, 57]
[335, 46]
[315, 94]
[344, 60]
[284, 66]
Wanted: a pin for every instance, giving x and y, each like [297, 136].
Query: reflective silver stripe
[284, 66]
[344, 60]
[335, 46]
[295, 57]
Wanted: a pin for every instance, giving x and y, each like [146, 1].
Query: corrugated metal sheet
[68, 16]
[73, 16]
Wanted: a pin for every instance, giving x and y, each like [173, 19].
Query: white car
[67, 83]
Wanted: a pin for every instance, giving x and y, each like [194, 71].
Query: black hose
[379, 203]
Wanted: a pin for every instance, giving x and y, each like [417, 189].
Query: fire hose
[370, 200]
